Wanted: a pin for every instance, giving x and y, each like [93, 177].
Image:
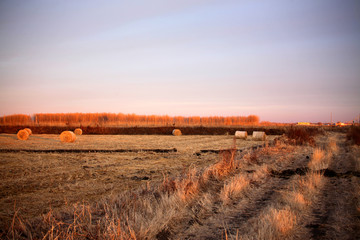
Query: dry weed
[333, 148]
[222, 168]
[260, 174]
[234, 189]
[275, 224]
[310, 183]
[355, 153]
[319, 160]
[283, 220]
[189, 186]
[296, 200]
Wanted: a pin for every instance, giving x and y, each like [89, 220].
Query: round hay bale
[176, 132]
[241, 134]
[78, 131]
[22, 134]
[67, 136]
[28, 130]
[259, 136]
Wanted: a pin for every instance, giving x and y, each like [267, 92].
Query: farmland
[181, 187]
[40, 180]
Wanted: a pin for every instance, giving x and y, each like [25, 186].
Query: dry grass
[260, 174]
[185, 144]
[282, 219]
[223, 167]
[23, 134]
[333, 148]
[311, 183]
[278, 223]
[141, 214]
[234, 189]
[153, 212]
[319, 160]
[37, 180]
[273, 224]
[355, 152]
[67, 136]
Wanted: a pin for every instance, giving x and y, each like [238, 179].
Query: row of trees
[125, 119]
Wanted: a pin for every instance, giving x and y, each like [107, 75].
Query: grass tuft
[234, 189]
[319, 160]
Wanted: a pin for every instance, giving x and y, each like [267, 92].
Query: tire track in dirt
[232, 218]
[334, 215]
[87, 150]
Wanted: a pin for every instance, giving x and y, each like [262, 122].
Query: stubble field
[166, 187]
[42, 172]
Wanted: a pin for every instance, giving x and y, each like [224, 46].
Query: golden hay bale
[176, 132]
[28, 130]
[67, 136]
[241, 134]
[259, 136]
[78, 131]
[22, 134]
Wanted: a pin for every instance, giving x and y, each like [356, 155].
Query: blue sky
[284, 61]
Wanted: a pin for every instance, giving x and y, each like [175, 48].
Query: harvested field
[280, 191]
[143, 130]
[44, 172]
[186, 144]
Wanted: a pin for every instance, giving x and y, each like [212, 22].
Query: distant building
[303, 123]
[340, 124]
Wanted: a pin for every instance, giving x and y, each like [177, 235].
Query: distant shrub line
[166, 130]
[354, 135]
[302, 135]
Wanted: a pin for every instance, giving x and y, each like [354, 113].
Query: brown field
[38, 181]
[280, 191]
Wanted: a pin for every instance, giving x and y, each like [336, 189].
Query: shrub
[354, 135]
[302, 135]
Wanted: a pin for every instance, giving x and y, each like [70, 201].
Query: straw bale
[176, 132]
[78, 131]
[22, 134]
[241, 134]
[28, 130]
[259, 136]
[67, 136]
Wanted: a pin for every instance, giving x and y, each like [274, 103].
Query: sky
[285, 61]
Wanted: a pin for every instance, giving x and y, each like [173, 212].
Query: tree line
[125, 119]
